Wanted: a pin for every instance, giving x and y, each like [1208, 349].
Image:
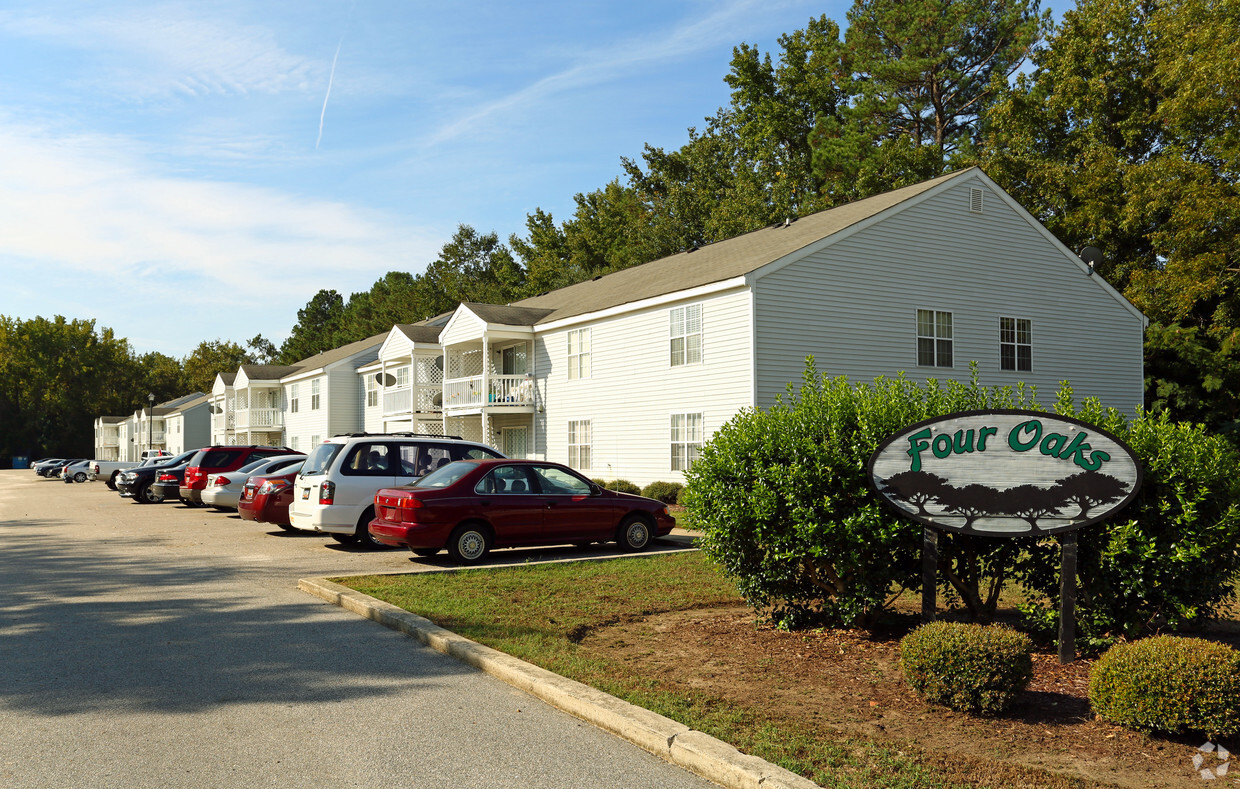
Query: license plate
[305, 493]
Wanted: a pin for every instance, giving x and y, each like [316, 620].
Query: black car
[135, 483]
[168, 482]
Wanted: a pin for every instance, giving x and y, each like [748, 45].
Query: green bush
[623, 486]
[666, 492]
[1169, 559]
[784, 506]
[969, 668]
[1169, 684]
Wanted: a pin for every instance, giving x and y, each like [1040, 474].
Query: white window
[293, 397]
[579, 354]
[686, 440]
[686, 334]
[293, 444]
[402, 377]
[314, 394]
[579, 444]
[372, 391]
[1016, 344]
[314, 441]
[934, 338]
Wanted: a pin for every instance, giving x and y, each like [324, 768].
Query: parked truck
[107, 470]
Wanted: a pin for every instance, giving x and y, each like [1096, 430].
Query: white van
[335, 491]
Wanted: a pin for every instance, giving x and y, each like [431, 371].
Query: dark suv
[214, 460]
[135, 483]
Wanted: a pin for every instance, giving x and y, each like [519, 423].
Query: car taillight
[398, 509]
[327, 493]
[221, 481]
[273, 486]
[167, 478]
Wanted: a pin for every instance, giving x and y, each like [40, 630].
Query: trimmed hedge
[1169, 684]
[969, 668]
[621, 486]
[666, 492]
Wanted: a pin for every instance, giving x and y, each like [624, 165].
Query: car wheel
[345, 539]
[633, 534]
[80, 476]
[145, 495]
[425, 553]
[112, 481]
[469, 544]
[363, 535]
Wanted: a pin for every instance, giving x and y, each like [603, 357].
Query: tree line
[1116, 128]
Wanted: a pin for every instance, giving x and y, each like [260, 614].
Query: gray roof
[268, 372]
[187, 402]
[508, 316]
[177, 401]
[716, 262]
[337, 354]
[228, 378]
[113, 420]
[419, 332]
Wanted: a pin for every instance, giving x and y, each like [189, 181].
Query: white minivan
[335, 491]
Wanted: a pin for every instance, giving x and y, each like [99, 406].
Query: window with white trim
[579, 444]
[1016, 344]
[293, 397]
[372, 390]
[578, 354]
[934, 338]
[686, 438]
[293, 444]
[314, 394]
[402, 377]
[686, 335]
[314, 441]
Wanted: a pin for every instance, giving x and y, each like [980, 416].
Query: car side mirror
[595, 490]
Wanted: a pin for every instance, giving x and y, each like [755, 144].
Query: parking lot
[161, 645]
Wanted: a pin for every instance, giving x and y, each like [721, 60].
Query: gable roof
[337, 354]
[186, 403]
[267, 372]
[419, 332]
[511, 315]
[722, 260]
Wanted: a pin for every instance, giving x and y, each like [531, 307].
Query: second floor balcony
[257, 418]
[494, 392]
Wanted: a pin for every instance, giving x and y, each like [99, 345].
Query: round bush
[623, 486]
[969, 668]
[666, 492]
[1169, 684]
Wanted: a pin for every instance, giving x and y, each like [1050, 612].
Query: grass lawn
[542, 613]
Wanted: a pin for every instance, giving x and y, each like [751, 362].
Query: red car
[470, 506]
[215, 460]
[265, 499]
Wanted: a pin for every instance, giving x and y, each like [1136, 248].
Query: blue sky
[183, 172]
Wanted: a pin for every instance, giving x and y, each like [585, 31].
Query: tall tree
[316, 327]
[209, 359]
[472, 266]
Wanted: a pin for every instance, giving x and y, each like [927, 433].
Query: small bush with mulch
[1169, 684]
[969, 668]
[666, 492]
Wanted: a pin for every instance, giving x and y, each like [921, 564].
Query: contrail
[330, 80]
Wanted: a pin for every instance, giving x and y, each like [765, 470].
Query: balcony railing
[502, 391]
[398, 401]
[258, 418]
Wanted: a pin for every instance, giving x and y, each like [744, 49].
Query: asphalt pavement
[164, 646]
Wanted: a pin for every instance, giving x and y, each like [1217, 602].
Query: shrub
[623, 486]
[666, 492]
[969, 668]
[1169, 684]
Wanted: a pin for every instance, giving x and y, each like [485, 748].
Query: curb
[701, 754]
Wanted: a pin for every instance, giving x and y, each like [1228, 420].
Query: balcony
[258, 419]
[397, 401]
[503, 392]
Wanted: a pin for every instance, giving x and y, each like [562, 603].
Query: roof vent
[975, 201]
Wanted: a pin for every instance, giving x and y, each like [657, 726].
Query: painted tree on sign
[918, 488]
[1030, 502]
[1090, 489]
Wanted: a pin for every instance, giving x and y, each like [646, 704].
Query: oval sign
[1005, 473]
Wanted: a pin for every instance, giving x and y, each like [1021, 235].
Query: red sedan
[265, 499]
[471, 506]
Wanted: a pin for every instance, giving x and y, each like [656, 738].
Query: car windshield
[444, 476]
[322, 457]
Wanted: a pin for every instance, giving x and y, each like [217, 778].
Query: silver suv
[335, 490]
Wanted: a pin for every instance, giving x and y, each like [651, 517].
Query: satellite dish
[1092, 256]
[439, 363]
[437, 399]
[385, 379]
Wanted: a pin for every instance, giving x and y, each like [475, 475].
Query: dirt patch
[849, 681]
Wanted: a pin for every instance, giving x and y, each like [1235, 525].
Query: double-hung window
[293, 397]
[686, 440]
[314, 394]
[578, 354]
[686, 335]
[579, 444]
[934, 338]
[372, 391]
[1016, 344]
[402, 377]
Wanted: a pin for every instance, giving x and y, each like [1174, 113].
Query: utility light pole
[150, 422]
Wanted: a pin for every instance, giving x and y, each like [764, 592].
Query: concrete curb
[711, 758]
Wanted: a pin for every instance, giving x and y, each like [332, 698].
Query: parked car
[335, 491]
[470, 506]
[223, 490]
[265, 498]
[148, 454]
[107, 470]
[168, 481]
[135, 483]
[213, 460]
[57, 469]
[41, 467]
[76, 472]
